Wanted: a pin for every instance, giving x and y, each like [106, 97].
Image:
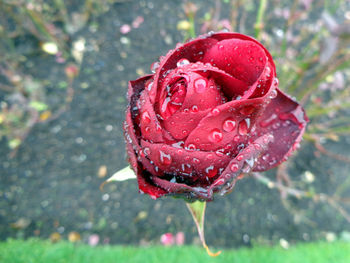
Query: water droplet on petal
[164, 158]
[147, 129]
[221, 47]
[200, 85]
[240, 157]
[196, 161]
[220, 152]
[146, 151]
[211, 171]
[154, 66]
[182, 62]
[229, 124]
[234, 167]
[215, 112]
[215, 136]
[244, 126]
[191, 147]
[145, 118]
[194, 108]
[185, 132]
[273, 94]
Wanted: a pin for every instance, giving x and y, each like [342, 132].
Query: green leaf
[38, 105]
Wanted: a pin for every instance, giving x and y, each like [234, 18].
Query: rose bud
[211, 111]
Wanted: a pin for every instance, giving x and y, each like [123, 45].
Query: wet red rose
[211, 111]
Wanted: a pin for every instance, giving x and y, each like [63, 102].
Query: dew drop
[244, 126]
[273, 94]
[200, 85]
[240, 157]
[194, 108]
[211, 171]
[185, 132]
[182, 62]
[145, 118]
[234, 167]
[215, 136]
[147, 129]
[146, 151]
[220, 152]
[215, 112]
[165, 159]
[229, 124]
[221, 47]
[149, 87]
[154, 66]
[196, 161]
[191, 147]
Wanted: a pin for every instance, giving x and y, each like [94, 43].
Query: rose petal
[242, 59]
[227, 124]
[149, 125]
[242, 163]
[181, 124]
[190, 164]
[132, 147]
[285, 119]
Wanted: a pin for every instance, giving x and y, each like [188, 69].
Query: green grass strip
[38, 251]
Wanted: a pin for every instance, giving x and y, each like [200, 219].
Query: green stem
[259, 18]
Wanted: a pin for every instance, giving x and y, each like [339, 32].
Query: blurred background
[64, 69]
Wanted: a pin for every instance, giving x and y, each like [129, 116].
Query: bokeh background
[64, 69]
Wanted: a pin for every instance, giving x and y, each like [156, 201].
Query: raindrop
[244, 126]
[196, 161]
[191, 147]
[215, 112]
[194, 108]
[234, 167]
[146, 151]
[182, 62]
[273, 94]
[146, 119]
[154, 66]
[211, 171]
[165, 159]
[229, 124]
[221, 47]
[220, 152]
[200, 85]
[147, 129]
[240, 157]
[185, 132]
[149, 87]
[236, 138]
[215, 136]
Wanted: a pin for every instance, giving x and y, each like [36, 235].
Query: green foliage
[33, 250]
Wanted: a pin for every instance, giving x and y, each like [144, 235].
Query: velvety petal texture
[211, 112]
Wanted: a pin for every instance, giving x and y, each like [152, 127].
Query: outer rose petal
[285, 119]
[191, 165]
[132, 148]
[241, 164]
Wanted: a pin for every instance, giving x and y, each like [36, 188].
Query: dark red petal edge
[286, 120]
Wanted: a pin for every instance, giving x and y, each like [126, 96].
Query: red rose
[211, 111]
